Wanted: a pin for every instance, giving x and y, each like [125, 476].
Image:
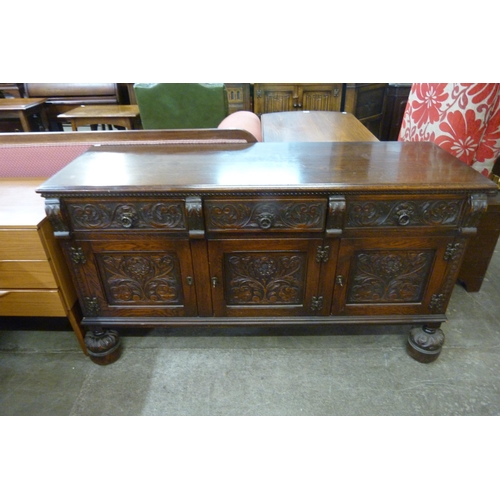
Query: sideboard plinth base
[103, 346]
[425, 343]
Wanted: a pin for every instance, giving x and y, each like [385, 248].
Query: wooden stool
[113, 114]
[23, 109]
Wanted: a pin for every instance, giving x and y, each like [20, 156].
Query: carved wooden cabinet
[265, 233]
[367, 102]
[239, 97]
[397, 98]
[273, 97]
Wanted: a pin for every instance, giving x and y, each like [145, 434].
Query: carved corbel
[53, 211]
[336, 215]
[194, 216]
[476, 207]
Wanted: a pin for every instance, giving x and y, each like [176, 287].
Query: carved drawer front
[153, 214]
[366, 212]
[258, 214]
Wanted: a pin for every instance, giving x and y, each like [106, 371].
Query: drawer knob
[339, 280]
[265, 221]
[127, 220]
[404, 219]
[404, 213]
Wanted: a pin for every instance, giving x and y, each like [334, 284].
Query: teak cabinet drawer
[258, 214]
[152, 214]
[21, 244]
[31, 303]
[26, 274]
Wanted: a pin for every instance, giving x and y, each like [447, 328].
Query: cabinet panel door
[317, 97]
[270, 98]
[264, 277]
[134, 278]
[391, 276]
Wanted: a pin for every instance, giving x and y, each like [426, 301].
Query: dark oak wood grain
[369, 166]
[265, 233]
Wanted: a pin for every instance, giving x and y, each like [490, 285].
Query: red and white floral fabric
[462, 118]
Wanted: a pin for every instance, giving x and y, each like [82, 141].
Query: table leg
[45, 120]
[24, 121]
[74, 128]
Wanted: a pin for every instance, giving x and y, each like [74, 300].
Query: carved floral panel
[257, 278]
[383, 276]
[141, 278]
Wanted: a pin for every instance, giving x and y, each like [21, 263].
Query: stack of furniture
[63, 97]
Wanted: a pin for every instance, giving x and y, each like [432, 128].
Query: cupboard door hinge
[437, 301]
[91, 306]
[452, 251]
[77, 255]
[316, 303]
[323, 254]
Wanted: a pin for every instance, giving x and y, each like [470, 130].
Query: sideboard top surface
[370, 166]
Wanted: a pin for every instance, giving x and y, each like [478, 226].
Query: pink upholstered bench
[43, 154]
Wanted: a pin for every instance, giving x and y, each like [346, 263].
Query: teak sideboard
[265, 233]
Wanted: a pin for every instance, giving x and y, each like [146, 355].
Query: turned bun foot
[103, 346]
[424, 343]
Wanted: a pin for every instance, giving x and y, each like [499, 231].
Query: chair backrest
[181, 105]
[62, 97]
[462, 118]
[74, 94]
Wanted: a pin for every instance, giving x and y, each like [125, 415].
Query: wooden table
[23, 109]
[314, 126]
[121, 115]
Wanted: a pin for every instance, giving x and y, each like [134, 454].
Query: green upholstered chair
[181, 105]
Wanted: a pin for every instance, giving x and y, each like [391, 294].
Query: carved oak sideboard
[265, 233]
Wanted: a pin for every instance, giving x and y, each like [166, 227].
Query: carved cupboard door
[276, 97]
[134, 277]
[320, 97]
[271, 98]
[272, 277]
[393, 276]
